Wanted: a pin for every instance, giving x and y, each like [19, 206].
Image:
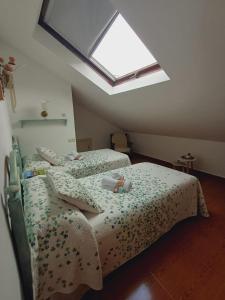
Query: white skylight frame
[121, 52]
[92, 70]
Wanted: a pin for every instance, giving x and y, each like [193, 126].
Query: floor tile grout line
[162, 286]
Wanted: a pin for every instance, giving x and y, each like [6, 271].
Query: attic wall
[5, 139]
[34, 84]
[90, 125]
[210, 154]
[9, 278]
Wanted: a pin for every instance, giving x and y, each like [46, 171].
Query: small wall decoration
[6, 79]
[44, 109]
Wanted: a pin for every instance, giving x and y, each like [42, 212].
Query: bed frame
[16, 148]
[14, 211]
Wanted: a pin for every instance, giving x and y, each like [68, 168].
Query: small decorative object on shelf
[44, 112]
[187, 156]
[6, 79]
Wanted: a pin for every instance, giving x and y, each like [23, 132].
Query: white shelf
[43, 121]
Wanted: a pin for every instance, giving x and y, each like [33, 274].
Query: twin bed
[92, 162]
[69, 247]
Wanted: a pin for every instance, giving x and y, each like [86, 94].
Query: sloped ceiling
[187, 37]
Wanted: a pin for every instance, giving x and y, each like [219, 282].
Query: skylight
[106, 49]
[121, 51]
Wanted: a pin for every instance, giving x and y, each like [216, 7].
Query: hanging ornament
[6, 79]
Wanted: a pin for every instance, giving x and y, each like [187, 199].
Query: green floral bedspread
[97, 161]
[64, 250]
[160, 197]
[34, 162]
[92, 162]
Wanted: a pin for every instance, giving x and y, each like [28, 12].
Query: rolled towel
[122, 186]
[108, 183]
[69, 157]
[74, 155]
[127, 186]
[116, 184]
[116, 176]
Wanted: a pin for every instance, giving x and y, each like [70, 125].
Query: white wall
[33, 84]
[5, 138]
[90, 125]
[9, 278]
[210, 154]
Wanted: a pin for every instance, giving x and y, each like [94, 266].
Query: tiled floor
[186, 263]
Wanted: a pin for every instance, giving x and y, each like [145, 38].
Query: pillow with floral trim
[68, 188]
[50, 156]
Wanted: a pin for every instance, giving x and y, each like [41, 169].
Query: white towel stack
[110, 183]
[74, 155]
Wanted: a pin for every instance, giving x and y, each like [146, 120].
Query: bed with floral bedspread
[92, 162]
[131, 222]
[96, 161]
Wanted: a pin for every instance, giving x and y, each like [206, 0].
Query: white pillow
[50, 156]
[68, 188]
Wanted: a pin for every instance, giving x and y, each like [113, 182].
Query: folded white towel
[109, 183]
[74, 155]
[69, 157]
[116, 176]
[127, 186]
[116, 183]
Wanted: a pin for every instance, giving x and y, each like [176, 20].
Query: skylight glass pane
[121, 51]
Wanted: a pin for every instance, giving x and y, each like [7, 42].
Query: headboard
[14, 208]
[16, 148]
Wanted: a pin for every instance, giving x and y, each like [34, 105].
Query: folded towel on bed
[74, 155]
[116, 176]
[116, 183]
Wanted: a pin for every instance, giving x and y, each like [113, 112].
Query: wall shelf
[43, 122]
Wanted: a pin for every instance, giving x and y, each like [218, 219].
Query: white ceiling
[187, 37]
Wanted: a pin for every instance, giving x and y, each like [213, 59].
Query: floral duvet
[96, 161]
[92, 162]
[63, 246]
[159, 198]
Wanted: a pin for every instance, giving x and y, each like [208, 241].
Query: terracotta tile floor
[186, 263]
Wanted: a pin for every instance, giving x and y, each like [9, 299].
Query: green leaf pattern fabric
[131, 222]
[92, 162]
[97, 161]
[34, 165]
[64, 250]
[160, 197]
[34, 162]
[71, 190]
